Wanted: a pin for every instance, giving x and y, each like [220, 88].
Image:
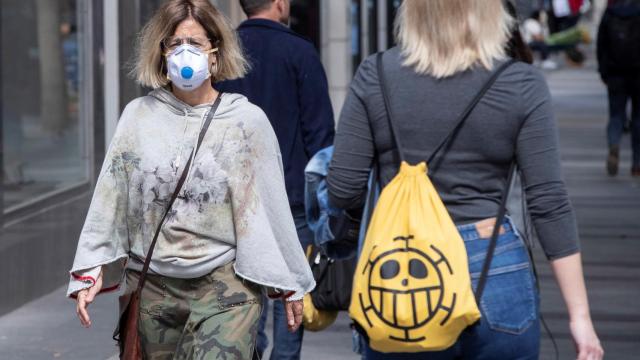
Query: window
[43, 135]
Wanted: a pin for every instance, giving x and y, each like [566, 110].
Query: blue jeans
[286, 345]
[509, 327]
[622, 89]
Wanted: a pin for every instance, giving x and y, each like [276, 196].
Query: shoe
[612, 160]
[549, 65]
[635, 171]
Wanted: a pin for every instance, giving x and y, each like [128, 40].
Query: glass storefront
[52, 130]
[43, 142]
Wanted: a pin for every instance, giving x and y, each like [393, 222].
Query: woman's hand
[585, 339]
[294, 314]
[569, 275]
[86, 297]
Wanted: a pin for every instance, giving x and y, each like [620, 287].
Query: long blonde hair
[150, 68]
[444, 37]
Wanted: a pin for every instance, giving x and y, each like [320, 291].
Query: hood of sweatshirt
[167, 99]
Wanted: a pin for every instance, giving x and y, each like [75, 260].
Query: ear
[279, 5]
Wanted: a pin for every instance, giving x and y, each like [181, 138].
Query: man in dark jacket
[619, 67]
[288, 82]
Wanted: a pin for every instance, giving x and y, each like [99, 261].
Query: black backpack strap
[176, 191]
[387, 104]
[502, 211]
[467, 111]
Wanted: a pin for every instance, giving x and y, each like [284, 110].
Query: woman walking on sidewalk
[447, 51]
[214, 200]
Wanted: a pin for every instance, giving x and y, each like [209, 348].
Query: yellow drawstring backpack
[412, 290]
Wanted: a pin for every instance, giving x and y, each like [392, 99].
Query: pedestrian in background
[447, 51]
[534, 35]
[229, 235]
[287, 81]
[619, 66]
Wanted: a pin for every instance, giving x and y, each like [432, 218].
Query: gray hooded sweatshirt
[232, 207]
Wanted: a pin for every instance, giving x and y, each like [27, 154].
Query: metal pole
[1, 141]
[111, 70]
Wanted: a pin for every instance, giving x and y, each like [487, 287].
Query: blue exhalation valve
[186, 72]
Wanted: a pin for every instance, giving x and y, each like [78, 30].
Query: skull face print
[403, 280]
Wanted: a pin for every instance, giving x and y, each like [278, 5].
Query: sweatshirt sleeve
[538, 157]
[264, 226]
[103, 242]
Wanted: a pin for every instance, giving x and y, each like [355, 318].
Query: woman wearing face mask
[228, 235]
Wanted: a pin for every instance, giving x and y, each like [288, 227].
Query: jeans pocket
[509, 301]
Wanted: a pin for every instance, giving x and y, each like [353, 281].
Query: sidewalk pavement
[48, 328]
[608, 211]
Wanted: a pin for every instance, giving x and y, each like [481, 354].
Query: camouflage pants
[211, 317]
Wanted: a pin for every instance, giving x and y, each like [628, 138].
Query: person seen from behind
[447, 50]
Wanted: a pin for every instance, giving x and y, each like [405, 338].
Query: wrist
[580, 315]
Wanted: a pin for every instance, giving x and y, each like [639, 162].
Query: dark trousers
[545, 50]
[622, 89]
[557, 24]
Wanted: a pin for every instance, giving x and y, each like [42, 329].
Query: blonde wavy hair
[150, 68]
[444, 37]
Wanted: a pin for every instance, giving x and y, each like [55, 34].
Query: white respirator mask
[188, 66]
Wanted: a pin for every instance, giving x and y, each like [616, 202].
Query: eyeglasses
[171, 43]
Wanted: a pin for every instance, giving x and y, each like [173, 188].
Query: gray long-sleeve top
[513, 119]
